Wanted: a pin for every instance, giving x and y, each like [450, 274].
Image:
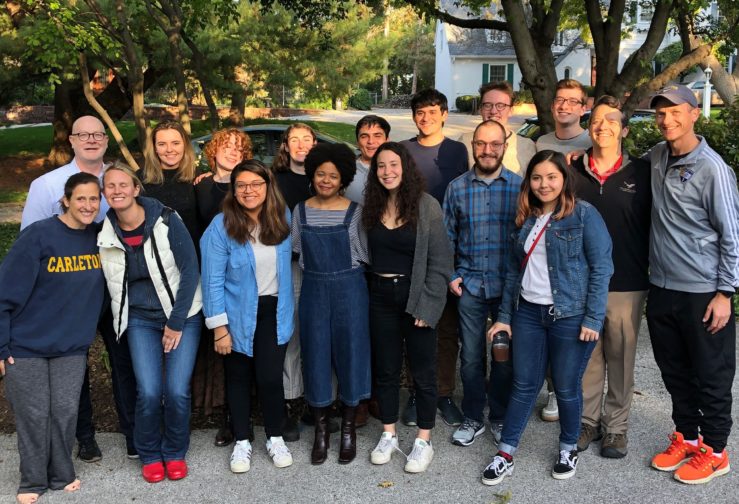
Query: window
[495, 36]
[497, 73]
[568, 72]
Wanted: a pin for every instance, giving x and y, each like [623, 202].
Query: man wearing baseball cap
[694, 271]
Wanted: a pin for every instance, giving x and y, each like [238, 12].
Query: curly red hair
[221, 138]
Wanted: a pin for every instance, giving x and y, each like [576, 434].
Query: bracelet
[219, 339]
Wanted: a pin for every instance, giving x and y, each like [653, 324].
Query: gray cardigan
[433, 264]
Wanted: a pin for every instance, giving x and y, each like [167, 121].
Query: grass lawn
[12, 196]
[37, 140]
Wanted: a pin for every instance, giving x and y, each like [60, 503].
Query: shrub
[466, 103]
[523, 96]
[722, 135]
[360, 100]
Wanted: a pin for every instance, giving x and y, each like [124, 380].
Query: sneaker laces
[415, 453]
[611, 438]
[498, 464]
[241, 451]
[279, 449]
[674, 447]
[565, 458]
[468, 423]
[700, 458]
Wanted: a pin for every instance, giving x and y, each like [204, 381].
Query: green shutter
[485, 73]
[509, 73]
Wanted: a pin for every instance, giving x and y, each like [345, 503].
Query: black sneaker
[410, 415]
[449, 411]
[89, 451]
[290, 430]
[499, 468]
[566, 465]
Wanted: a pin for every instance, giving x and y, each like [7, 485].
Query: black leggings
[266, 368]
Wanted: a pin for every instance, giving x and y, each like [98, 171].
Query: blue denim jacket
[580, 266]
[230, 294]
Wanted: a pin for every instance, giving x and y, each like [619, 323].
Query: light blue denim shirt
[580, 266]
[230, 294]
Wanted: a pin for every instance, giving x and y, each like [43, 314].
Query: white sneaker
[384, 449]
[550, 412]
[280, 453]
[420, 458]
[241, 457]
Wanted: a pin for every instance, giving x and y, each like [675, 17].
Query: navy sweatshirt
[51, 291]
[439, 164]
[143, 300]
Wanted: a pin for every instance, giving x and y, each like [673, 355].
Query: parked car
[530, 127]
[265, 139]
[698, 87]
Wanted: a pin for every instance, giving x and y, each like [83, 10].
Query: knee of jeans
[525, 388]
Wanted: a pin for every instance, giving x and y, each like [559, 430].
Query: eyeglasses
[255, 186]
[84, 137]
[500, 107]
[572, 102]
[495, 146]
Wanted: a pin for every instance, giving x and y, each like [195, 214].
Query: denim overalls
[334, 315]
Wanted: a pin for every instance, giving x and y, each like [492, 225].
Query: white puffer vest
[161, 265]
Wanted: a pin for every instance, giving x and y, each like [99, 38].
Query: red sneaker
[675, 455]
[703, 467]
[176, 469]
[153, 473]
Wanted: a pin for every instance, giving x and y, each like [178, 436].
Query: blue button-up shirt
[480, 216]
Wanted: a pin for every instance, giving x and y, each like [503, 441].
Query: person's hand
[171, 339]
[2, 366]
[574, 156]
[456, 286]
[718, 312]
[420, 323]
[202, 176]
[222, 340]
[498, 327]
[587, 334]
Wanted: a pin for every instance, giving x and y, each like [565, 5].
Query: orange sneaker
[703, 467]
[675, 455]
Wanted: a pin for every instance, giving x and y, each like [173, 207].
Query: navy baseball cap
[677, 94]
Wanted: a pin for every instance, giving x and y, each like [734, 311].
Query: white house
[467, 58]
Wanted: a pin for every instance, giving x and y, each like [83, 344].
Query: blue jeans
[163, 388]
[541, 341]
[473, 316]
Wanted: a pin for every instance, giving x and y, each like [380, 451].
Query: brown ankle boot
[320, 442]
[348, 449]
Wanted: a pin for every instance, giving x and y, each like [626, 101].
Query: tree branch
[430, 8]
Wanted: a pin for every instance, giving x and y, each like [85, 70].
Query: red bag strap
[533, 246]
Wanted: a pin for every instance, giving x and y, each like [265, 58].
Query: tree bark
[199, 61]
[61, 150]
[104, 114]
[172, 28]
[238, 103]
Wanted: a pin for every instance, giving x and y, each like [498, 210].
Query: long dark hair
[409, 192]
[529, 204]
[281, 163]
[273, 225]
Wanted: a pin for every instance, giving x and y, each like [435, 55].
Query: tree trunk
[238, 103]
[61, 150]
[199, 61]
[414, 81]
[725, 83]
[103, 114]
[386, 61]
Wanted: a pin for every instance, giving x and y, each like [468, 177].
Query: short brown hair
[571, 84]
[502, 86]
[221, 138]
[609, 101]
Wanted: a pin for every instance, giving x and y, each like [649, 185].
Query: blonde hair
[153, 167]
[123, 167]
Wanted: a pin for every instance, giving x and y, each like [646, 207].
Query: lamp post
[707, 93]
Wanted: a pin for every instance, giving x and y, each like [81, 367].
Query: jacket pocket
[569, 240]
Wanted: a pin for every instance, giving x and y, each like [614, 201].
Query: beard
[491, 163]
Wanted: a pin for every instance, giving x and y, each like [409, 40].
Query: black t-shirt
[180, 197]
[392, 250]
[625, 202]
[294, 187]
[210, 195]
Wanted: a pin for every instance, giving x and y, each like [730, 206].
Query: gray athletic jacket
[694, 243]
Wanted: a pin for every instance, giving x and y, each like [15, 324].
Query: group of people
[319, 276]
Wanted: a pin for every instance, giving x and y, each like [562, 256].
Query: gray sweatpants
[44, 395]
